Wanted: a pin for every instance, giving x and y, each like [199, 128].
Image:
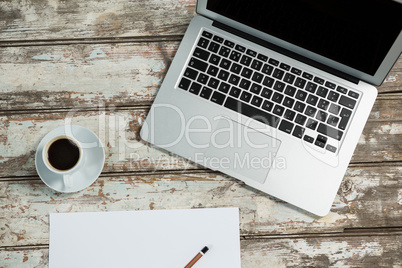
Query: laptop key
[223, 87]
[195, 88]
[307, 76]
[300, 82]
[218, 98]
[278, 110]
[207, 34]
[224, 52]
[245, 96]
[342, 90]
[246, 72]
[333, 96]
[284, 66]
[299, 106]
[298, 132]
[206, 92]
[256, 101]
[255, 88]
[347, 102]
[273, 62]
[345, 116]
[245, 60]
[279, 86]
[312, 99]
[256, 65]
[257, 77]
[333, 120]
[301, 95]
[267, 69]
[296, 71]
[223, 75]
[268, 81]
[229, 44]
[290, 115]
[323, 104]
[308, 139]
[311, 87]
[252, 53]
[203, 78]
[234, 79]
[184, 83]
[250, 111]
[266, 93]
[290, 90]
[225, 64]
[330, 131]
[240, 48]
[334, 109]
[190, 73]
[300, 119]
[218, 39]
[322, 91]
[212, 70]
[197, 64]
[235, 56]
[203, 42]
[331, 148]
[213, 83]
[353, 94]
[262, 57]
[235, 92]
[288, 102]
[278, 74]
[201, 54]
[319, 80]
[214, 59]
[286, 126]
[310, 111]
[330, 85]
[311, 124]
[267, 105]
[236, 68]
[289, 78]
[321, 116]
[320, 141]
[245, 84]
[214, 47]
[277, 97]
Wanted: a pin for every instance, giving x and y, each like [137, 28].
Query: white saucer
[94, 158]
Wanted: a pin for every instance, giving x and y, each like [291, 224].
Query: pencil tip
[204, 250]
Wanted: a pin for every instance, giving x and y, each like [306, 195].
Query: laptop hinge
[286, 52]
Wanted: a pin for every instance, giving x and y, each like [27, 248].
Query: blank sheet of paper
[145, 239]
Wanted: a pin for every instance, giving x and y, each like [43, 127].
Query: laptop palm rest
[241, 151]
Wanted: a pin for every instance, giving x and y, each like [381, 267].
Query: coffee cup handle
[67, 181]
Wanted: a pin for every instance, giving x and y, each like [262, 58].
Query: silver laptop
[276, 93]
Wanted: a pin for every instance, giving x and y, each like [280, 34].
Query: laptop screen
[356, 33]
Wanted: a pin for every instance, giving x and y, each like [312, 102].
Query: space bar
[252, 112]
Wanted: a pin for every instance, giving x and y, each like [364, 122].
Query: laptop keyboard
[298, 103]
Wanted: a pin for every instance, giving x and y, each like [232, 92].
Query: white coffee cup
[63, 155]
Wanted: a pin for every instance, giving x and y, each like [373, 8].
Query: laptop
[276, 93]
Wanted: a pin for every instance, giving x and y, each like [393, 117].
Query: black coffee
[63, 154]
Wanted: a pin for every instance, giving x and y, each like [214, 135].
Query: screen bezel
[376, 79]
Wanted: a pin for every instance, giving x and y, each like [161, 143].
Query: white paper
[142, 239]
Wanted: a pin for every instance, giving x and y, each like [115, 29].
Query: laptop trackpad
[242, 151]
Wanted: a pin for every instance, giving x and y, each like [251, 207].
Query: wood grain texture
[53, 19]
[84, 75]
[366, 198]
[119, 129]
[359, 251]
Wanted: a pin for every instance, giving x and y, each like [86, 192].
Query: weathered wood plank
[369, 197]
[123, 74]
[360, 251]
[37, 20]
[119, 129]
[82, 75]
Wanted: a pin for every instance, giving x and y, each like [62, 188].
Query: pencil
[197, 257]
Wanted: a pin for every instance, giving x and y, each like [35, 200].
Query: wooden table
[99, 64]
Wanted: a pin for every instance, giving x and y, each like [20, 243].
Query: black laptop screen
[355, 33]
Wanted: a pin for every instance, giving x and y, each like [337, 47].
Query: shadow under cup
[62, 154]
